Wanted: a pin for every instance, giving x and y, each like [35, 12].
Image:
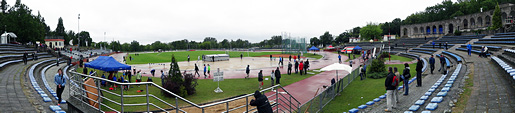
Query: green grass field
[368, 89]
[205, 91]
[145, 58]
[402, 59]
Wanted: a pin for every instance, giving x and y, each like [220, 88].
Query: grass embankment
[205, 91]
[464, 97]
[400, 58]
[144, 58]
[368, 89]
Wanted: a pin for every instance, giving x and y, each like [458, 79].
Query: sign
[217, 77]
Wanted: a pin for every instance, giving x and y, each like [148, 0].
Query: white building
[55, 43]
[355, 39]
[388, 37]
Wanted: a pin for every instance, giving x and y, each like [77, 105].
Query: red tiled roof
[54, 40]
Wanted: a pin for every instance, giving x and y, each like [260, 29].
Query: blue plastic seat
[432, 106]
[424, 97]
[414, 108]
[441, 94]
[437, 99]
[370, 103]
[353, 110]
[362, 106]
[419, 102]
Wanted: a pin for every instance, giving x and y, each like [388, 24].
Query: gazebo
[7, 37]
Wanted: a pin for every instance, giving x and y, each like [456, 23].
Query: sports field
[144, 58]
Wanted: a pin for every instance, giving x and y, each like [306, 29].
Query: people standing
[298, 56]
[163, 77]
[301, 67]
[294, 58]
[469, 49]
[129, 75]
[290, 57]
[241, 56]
[446, 46]
[188, 58]
[340, 58]
[442, 64]
[277, 76]
[209, 70]
[440, 45]
[205, 70]
[397, 79]
[296, 66]
[360, 72]
[196, 70]
[432, 64]
[405, 77]
[389, 90]
[272, 77]
[260, 79]
[25, 55]
[198, 58]
[419, 72]
[60, 81]
[289, 68]
[247, 71]
[365, 70]
[306, 67]
[433, 44]
[262, 104]
[270, 57]
[485, 52]
[84, 70]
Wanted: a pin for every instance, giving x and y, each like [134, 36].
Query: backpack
[395, 82]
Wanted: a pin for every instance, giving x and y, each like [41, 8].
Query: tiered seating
[447, 62]
[507, 68]
[499, 38]
[472, 51]
[45, 83]
[39, 90]
[508, 56]
[436, 45]
[18, 60]
[458, 58]
[478, 47]
[457, 39]
[423, 50]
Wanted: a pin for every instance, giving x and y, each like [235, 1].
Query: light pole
[78, 32]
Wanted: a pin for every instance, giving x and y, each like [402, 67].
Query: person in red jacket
[301, 67]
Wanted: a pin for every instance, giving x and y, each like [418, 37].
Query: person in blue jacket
[60, 81]
[432, 63]
[469, 49]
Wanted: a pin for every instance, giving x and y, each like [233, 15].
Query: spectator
[360, 71]
[289, 68]
[60, 81]
[25, 55]
[469, 49]
[365, 70]
[196, 70]
[405, 77]
[209, 70]
[306, 65]
[446, 45]
[260, 79]
[129, 75]
[419, 72]
[301, 67]
[138, 77]
[442, 64]
[389, 90]
[188, 58]
[205, 70]
[432, 64]
[163, 77]
[247, 70]
[241, 56]
[153, 72]
[294, 58]
[103, 82]
[433, 43]
[485, 52]
[272, 77]
[397, 79]
[298, 56]
[85, 70]
[296, 66]
[261, 102]
[290, 57]
[340, 58]
[277, 76]
[270, 57]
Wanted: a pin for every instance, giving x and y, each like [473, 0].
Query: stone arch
[428, 30]
[451, 28]
[480, 21]
[421, 29]
[415, 30]
[465, 24]
[434, 29]
[472, 22]
[440, 29]
[405, 32]
[488, 20]
[512, 14]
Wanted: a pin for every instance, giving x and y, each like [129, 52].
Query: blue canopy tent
[107, 64]
[313, 48]
[357, 48]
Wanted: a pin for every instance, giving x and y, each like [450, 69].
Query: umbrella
[337, 66]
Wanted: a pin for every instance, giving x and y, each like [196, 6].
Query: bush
[377, 75]
[377, 66]
[384, 55]
[176, 84]
[190, 82]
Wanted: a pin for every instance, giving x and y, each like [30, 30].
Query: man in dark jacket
[289, 68]
[432, 64]
[306, 66]
[296, 67]
[196, 70]
[405, 77]
[261, 102]
[442, 64]
[247, 71]
[419, 72]
[277, 76]
[389, 89]
[25, 55]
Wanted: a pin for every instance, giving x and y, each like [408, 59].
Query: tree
[60, 27]
[224, 44]
[496, 18]
[371, 31]
[4, 6]
[314, 41]
[134, 46]
[342, 38]
[173, 82]
[326, 38]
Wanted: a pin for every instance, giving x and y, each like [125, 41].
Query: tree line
[32, 28]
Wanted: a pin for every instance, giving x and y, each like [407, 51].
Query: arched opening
[472, 23]
[440, 29]
[428, 30]
[480, 21]
[451, 28]
[405, 32]
[487, 20]
[434, 29]
[512, 14]
[415, 30]
[465, 24]
[421, 30]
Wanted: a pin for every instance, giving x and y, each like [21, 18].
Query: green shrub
[377, 75]
[175, 83]
[377, 66]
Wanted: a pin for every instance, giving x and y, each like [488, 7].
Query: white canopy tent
[6, 37]
[337, 66]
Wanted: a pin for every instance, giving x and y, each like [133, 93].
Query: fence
[317, 103]
[281, 102]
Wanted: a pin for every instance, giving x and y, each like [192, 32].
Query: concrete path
[12, 96]
[49, 76]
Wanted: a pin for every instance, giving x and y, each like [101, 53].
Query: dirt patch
[280, 55]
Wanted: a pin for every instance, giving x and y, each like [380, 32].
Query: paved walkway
[492, 91]
[12, 94]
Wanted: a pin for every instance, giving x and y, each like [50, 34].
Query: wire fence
[317, 103]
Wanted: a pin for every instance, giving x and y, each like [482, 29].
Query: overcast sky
[168, 20]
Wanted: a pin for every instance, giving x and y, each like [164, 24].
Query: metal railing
[282, 101]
